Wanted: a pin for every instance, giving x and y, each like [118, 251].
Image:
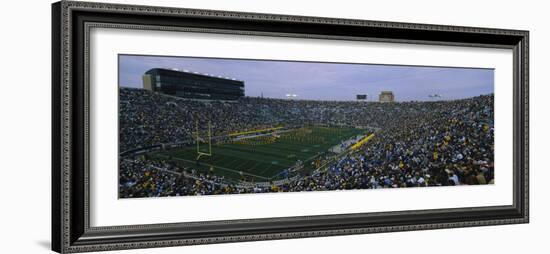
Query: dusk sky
[322, 81]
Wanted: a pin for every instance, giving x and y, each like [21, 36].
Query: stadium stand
[417, 144]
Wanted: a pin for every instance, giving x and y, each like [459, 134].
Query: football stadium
[185, 133]
[262, 155]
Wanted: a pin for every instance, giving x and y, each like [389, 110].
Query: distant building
[386, 96]
[192, 84]
[361, 97]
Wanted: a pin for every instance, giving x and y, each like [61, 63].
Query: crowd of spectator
[148, 118]
[439, 143]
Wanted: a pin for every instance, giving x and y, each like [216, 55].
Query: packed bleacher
[438, 143]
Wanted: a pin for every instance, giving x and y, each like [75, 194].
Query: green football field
[265, 157]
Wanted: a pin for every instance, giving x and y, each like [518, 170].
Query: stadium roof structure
[152, 71]
[187, 84]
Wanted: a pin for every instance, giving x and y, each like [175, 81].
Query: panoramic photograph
[193, 126]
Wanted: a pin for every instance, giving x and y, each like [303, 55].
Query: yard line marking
[220, 167]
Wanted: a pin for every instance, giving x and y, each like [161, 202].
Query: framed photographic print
[181, 126]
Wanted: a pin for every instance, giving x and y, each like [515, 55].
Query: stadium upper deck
[192, 84]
